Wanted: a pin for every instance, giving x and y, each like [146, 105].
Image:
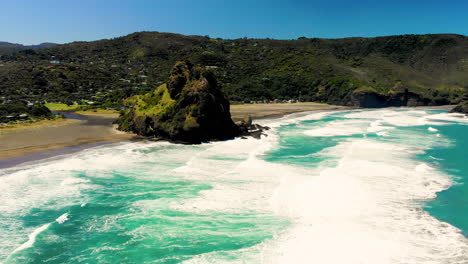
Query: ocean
[362, 186]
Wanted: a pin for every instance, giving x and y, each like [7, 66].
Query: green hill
[372, 72]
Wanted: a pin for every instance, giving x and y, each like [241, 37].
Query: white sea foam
[432, 157]
[367, 209]
[382, 134]
[293, 118]
[55, 183]
[32, 238]
[377, 121]
[62, 219]
[73, 180]
[232, 182]
[369, 114]
[364, 210]
[450, 117]
[431, 129]
[339, 128]
[377, 127]
[401, 118]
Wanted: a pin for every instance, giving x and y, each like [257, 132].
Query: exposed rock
[372, 99]
[368, 99]
[247, 128]
[190, 108]
[461, 108]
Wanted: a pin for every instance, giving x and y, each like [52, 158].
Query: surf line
[32, 237]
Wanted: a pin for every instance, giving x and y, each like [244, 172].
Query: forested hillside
[370, 72]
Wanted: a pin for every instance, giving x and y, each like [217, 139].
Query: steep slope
[189, 108]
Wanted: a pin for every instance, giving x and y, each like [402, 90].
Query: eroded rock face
[190, 108]
[247, 128]
[461, 108]
[372, 99]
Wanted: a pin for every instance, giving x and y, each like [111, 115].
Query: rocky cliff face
[374, 99]
[190, 108]
[461, 108]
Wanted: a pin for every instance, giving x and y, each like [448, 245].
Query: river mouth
[90, 119]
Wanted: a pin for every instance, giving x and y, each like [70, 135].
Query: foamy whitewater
[364, 186]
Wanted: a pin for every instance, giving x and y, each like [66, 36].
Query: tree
[40, 110]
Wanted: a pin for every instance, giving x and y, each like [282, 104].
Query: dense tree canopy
[102, 73]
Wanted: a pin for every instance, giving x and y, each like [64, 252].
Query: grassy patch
[365, 89]
[36, 124]
[153, 104]
[62, 107]
[97, 111]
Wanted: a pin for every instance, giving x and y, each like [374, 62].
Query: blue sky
[61, 21]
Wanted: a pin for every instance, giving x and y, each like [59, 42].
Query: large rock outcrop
[461, 108]
[190, 108]
[369, 98]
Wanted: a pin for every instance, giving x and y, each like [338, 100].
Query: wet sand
[86, 130]
[257, 111]
[20, 141]
[45, 139]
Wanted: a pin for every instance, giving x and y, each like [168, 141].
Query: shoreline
[75, 130]
[269, 111]
[102, 131]
[47, 153]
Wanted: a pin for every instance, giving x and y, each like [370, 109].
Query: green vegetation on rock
[189, 108]
[461, 108]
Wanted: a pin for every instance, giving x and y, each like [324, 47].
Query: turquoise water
[376, 186]
[451, 205]
[126, 213]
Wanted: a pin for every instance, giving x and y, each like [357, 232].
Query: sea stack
[189, 108]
